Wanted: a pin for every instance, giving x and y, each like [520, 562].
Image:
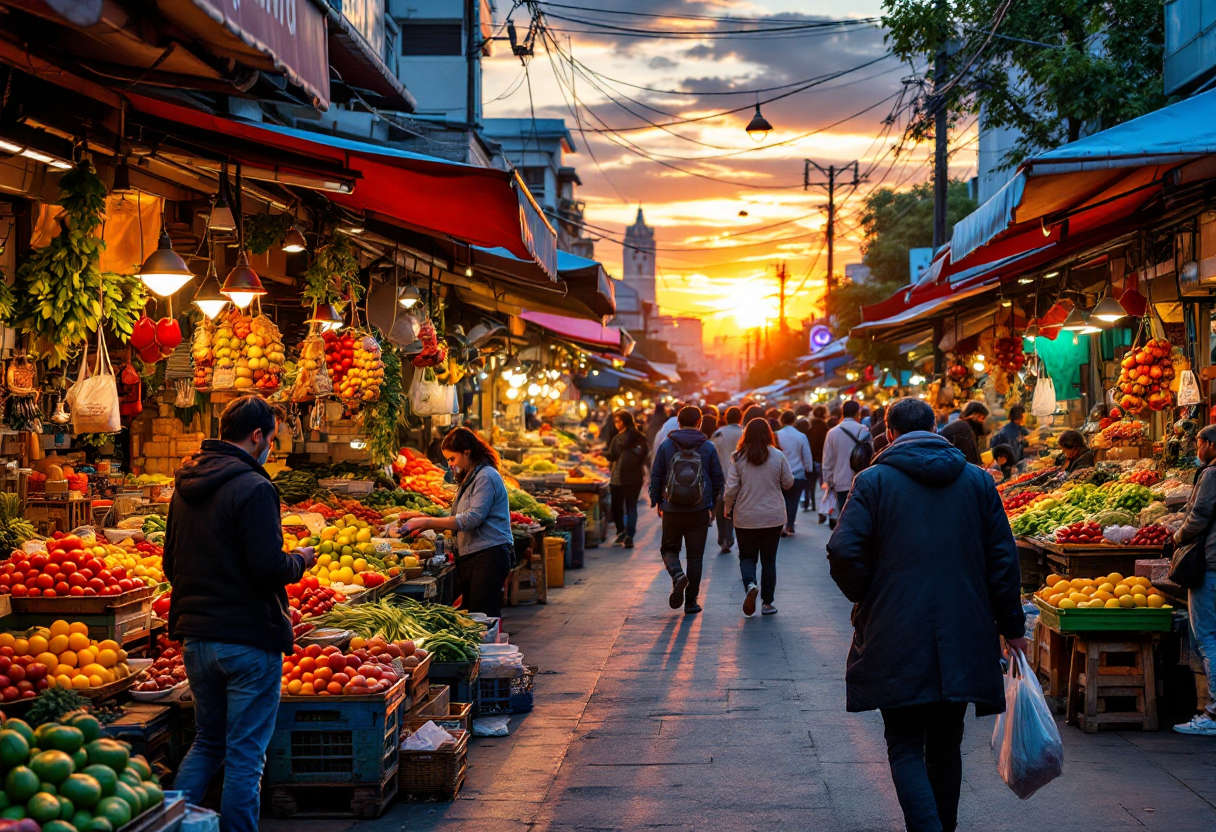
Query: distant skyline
[709, 262]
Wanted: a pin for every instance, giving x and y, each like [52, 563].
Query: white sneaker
[749, 603]
[1201, 726]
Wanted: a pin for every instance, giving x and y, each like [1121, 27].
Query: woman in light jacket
[481, 518]
[755, 502]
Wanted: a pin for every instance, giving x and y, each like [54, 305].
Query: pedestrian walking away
[838, 448]
[628, 453]
[816, 434]
[668, 426]
[481, 518]
[797, 449]
[755, 500]
[916, 660]
[803, 426]
[964, 432]
[685, 483]
[1201, 601]
[726, 440]
[224, 555]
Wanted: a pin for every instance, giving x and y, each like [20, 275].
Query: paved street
[646, 718]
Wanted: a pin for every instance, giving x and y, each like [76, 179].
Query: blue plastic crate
[506, 695]
[336, 739]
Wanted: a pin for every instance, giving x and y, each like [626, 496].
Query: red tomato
[96, 565]
[97, 584]
[76, 590]
[125, 585]
[89, 591]
[311, 582]
[16, 673]
[71, 541]
[77, 579]
[25, 685]
[105, 574]
[45, 582]
[51, 569]
[9, 568]
[89, 574]
[312, 650]
[118, 572]
[68, 568]
[56, 556]
[62, 588]
[9, 694]
[23, 565]
[37, 561]
[33, 592]
[49, 593]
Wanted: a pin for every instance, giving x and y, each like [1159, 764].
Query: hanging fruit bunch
[363, 379]
[201, 352]
[433, 352]
[312, 360]
[339, 355]
[1145, 376]
[1008, 354]
[264, 353]
[959, 372]
[242, 328]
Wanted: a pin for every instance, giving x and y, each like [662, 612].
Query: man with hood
[916, 657]
[686, 482]
[224, 556]
[965, 431]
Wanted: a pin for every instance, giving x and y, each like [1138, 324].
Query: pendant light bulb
[758, 128]
[409, 296]
[221, 220]
[208, 298]
[242, 284]
[1076, 320]
[1108, 310]
[294, 241]
[164, 272]
[327, 317]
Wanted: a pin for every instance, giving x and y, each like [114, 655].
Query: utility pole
[941, 135]
[831, 172]
[782, 277]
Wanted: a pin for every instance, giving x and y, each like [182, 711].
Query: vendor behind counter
[1074, 452]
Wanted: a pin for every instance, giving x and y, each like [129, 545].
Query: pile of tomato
[66, 569]
[310, 598]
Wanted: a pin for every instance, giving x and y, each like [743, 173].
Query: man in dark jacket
[922, 649]
[224, 556]
[817, 433]
[685, 519]
[964, 431]
[628, 453]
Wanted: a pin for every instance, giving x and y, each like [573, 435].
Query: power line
[688, 16]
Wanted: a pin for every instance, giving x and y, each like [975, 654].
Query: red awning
[479, 206]
[587, 333]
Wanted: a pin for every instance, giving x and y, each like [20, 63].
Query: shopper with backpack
[685, 483]
[847, 449]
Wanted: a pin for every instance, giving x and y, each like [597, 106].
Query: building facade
[638, 259]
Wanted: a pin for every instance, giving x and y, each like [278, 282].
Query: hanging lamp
[294, 241]
[758, 128]
[222, 219]
[242, 284]
[164, 272]
[1076, 321]
[208, 298]
[327, 317]
[409, 296]
[1108, 310]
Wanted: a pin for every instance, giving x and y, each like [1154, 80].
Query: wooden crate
[434, 774]
[48, 516]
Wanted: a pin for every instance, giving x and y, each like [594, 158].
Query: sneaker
[789, 531]
[823, 518]
[620, 538]
[678, 585]
[768, 609]
[749, 603]
[627, 542]
[692, 609]
[1200, 726]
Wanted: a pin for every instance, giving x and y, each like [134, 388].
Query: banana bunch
[452, 372]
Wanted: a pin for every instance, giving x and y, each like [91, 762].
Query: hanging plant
[262, 231]
[381, 417]
[333, 275]
[8, 301]
[93, 440]
[62, 295]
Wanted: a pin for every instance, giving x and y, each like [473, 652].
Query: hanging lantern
[327, 317]
[164, 272]
[208, 297]
[294, 241]
[242, 284]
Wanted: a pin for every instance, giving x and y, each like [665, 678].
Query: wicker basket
[437, 773]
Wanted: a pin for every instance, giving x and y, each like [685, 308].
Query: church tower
[639, 259]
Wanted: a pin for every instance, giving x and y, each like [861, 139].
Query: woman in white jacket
[754, 500]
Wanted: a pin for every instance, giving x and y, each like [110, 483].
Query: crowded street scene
[505, 415]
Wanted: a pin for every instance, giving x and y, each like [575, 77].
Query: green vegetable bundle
[295, 486]
[397, 618]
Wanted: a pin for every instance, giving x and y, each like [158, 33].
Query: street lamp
[758, 128]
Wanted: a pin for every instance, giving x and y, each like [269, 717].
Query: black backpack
[685, 484]
[863, 450]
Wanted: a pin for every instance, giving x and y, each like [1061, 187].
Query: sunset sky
[713, 262]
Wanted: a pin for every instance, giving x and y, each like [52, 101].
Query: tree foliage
[1076, 66]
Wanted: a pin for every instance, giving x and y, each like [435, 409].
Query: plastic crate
[460, 677]
[336, 739]
[506, 695]
[1138, 620]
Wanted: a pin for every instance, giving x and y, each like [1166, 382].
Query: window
[534, 178]
[431, 38]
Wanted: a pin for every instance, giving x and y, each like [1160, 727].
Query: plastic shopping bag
[1029, 752]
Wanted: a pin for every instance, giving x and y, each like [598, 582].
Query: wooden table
[1084, 561]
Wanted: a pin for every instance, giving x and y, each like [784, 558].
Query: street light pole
[831, 172]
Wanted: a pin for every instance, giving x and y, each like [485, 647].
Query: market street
[647, 718]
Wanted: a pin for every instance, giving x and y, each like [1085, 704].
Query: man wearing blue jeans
[224, 555]
[1201, 601]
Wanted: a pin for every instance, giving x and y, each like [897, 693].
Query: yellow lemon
[1078, 597]
[80, 682]
[1112, 604]
[1067, 604]
[363, 535]
[60, 628]
[1127, 601]
[96, 682]
[1062, 587]
[1115, 578]
[346, 575]
[329, 533]
[358, 581]
[1121, 590]
[1103, 595]
[58, 644]
[38, 644]
[1156, 601]
[64, 681]
[1140, 599]
[1106, 587]
[1055, 599]
[346, 560]
[1053, 579]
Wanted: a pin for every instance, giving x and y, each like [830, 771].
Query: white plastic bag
[94, 397]
[1188, 389]
[491, 726]
[429, 737]
[1029, 751]
[1044, 401]
[430, 398]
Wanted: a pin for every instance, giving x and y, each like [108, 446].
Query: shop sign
[292, 32]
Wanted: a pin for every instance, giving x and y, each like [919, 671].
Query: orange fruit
[69, 658]
[1115, 578]
[1156, 601]
[60, 628]
[21, 647]
[306, 689]
[1102, 595]
[308, 663]
[107, 658]
[333, 688]
[1127, 601]
[1121, 590]
[293, 687]
[48, 660]
[1052, 580]
[80, 682]
[1078, 597]
[1112, 604]
[78, 627]
[78, 641]
[1106, 586]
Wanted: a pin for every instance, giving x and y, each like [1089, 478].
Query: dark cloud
[659, 62]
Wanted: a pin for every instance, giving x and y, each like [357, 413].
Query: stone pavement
[646, 718]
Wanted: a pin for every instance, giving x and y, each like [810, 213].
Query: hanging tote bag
[430, 398]
[1044, 401]
[94, 396]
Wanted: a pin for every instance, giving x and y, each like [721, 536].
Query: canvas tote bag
[94, 396]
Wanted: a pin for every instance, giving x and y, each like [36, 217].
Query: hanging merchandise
[94, 396]
[130, 391]
[201, 352]
[1188, 389]
[430, 398]
[1043, 404]
[316, 417]
[310, 365]
[433, 352]
[264, 354]
[361, 382]
[185, 394]
[339, 355]
[1145, 375]
[21, 404]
